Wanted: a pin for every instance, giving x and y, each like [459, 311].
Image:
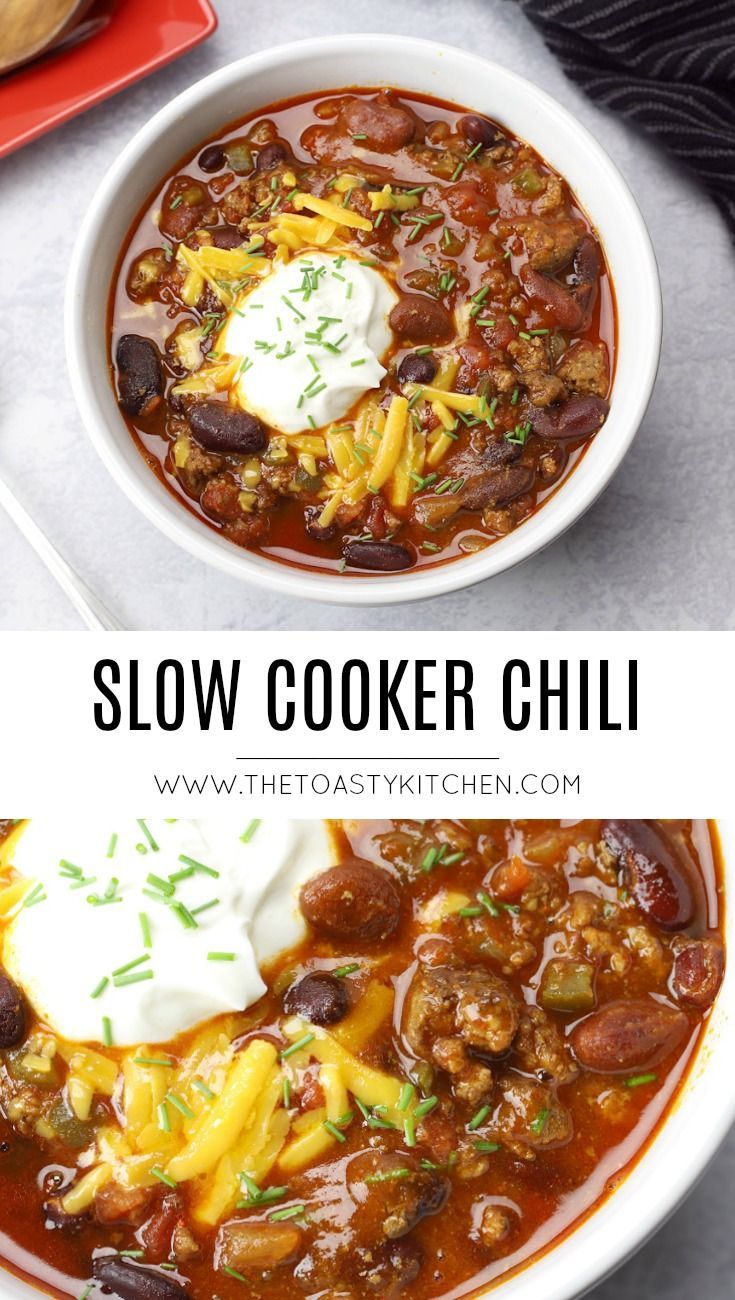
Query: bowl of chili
[509, 352]
[411, 996]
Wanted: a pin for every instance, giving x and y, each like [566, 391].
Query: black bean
[221, 427]
[226, 237]
[129, 1281]
[415, 369]
[654, 872]
[213, 158]
[478, 130]
[383, 556]
[12, 1013]
[139, 375]
[319, 997]
[270, 156]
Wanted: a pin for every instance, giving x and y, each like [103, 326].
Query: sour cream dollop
[61, 948]
[310, 338]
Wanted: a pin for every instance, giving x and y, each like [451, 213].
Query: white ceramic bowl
[327, 64]
[665, 1174]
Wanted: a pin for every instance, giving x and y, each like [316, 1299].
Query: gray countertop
[651, 554]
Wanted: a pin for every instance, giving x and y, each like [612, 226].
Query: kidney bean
[314, 528]
[587, 261]
[221, 427]
[578, 417]
[226, 237]
[626, 1036]
[212, 159]
[383, 557]
[424, 320]
[384, 126]
[130, 1281]
[497, 487]
[567, 310]
[478, 130]
[657, 879]
[12, 1012]
[355, 900]
[318, 997]
[416, 370]
[139, 375]
[270, 156]
[697, 973]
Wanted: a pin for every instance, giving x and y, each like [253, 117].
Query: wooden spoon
[30, 27]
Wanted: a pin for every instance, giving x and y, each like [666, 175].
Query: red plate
[118, 42]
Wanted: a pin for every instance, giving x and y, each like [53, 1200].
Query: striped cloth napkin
[667, 65]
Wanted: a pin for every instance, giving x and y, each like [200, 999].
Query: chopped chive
[107, 1031]
[99, 988]
[204, 907]
[407, 1095]
[409, 1131]
[290, 1212]
[340, 971]
[486, 901]
[232, 1272]
[180, 1105]
[135, 977]
[145, 929]
[164, 1119]
[185, 874]
[203, 1088]
[425, 1106]
[36, 895]
[144, 827]
[478, 1118]
[286, 1091]
[487, 1148]
[123, 970]
[430, 856]
[333, 1130]
[112, 845]
[388, 1175]
[221, 956]
[153, 1060]
[183, 914]
[638, 1080]
[251, 827]
[296, 1047]
[159, 883]
[470, 911]
[163, 1178]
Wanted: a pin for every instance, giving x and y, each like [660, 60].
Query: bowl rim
[564, 508]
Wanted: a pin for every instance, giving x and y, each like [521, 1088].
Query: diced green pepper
[529, 182]
[567, 985]
[239, 157]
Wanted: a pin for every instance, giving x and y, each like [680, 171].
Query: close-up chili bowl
[364, 320]
[430, 1059]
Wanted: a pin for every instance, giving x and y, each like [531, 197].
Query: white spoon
[90, 608]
